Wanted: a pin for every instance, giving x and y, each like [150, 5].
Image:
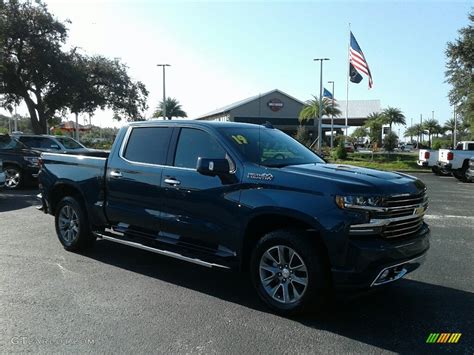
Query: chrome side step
[160, 251]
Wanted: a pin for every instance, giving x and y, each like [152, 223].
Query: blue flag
[328, 94]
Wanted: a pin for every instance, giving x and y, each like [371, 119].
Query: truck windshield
[69, 143]
[269, 147]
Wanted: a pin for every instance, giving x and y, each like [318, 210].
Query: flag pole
[347, 79]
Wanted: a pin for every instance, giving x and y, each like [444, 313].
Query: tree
[393, 115]
[360, 132]
[431, 126]
[410, 132]
[36, 70]
[450, 126]
[340, 153]
[390, 142]
[173, 109]
[418, 128]
[311, 109]
[374, 123]
[302, 135]
[460, 74]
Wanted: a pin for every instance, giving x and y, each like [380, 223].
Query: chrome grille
[404, 206]
[396, 216]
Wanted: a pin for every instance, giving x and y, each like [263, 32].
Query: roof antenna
[267, 125]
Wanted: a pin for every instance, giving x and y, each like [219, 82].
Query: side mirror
[213, 167]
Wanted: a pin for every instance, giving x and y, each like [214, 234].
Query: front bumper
[368, 258]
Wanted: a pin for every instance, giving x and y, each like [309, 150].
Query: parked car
[457, 160]
[47, 143]
[470, 171]
[349, 147]
[429, 158]
[20, 164]
[241, 196]
[2, 175]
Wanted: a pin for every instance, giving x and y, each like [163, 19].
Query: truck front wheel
[289, 273]
[72, 226]
[460, 174]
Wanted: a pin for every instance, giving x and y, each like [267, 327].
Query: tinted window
[69, 143]
[269, 147]
[194, 143]
[39, 142]
[470, 146]
[148, 145]
[6, 142]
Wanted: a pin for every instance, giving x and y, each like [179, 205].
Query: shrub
[340, 152]
[390, 142]
[440, 143]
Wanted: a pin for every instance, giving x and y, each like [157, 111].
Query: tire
[435, 169]
[72, 225]
[13, 177]
[275, 279]
[460, 174]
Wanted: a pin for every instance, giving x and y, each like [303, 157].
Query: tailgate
[443, 155]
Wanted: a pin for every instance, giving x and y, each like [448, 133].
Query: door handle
[115, 174]
[172, 181]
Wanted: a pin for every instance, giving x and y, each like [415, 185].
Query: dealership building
[282, 111]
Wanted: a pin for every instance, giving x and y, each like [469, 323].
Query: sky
[224, 51]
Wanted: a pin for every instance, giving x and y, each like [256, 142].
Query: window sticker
[239, 139]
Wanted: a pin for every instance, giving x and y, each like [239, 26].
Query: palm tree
[393, 115]
[410, 132]
[311, 109]
[449, 126]
[418, 129]
[375, 122]
[173, 109]
[431, 126]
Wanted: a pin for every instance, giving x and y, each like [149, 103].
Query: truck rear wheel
[289, 272]
[72, 225]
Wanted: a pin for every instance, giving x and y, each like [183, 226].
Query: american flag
[357, 59]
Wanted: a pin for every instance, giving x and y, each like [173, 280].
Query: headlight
[358, 201]
[32, 161]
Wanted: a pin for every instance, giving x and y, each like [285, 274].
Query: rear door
[133, 180]
[199, 211]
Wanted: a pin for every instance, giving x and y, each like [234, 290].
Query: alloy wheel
[68, 223]
[283, 274]
[12, 178]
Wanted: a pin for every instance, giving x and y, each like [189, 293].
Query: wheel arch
[267, 221]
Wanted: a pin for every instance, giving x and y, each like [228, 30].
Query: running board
[161, 252]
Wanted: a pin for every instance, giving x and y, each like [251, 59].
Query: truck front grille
[397, 216]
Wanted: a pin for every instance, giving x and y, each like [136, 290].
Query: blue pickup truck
[241, 197]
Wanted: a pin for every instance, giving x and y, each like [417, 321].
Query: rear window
[39, 142]
[69, 143]
[7, 142]
[148, 145]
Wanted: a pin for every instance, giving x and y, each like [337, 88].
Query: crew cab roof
[196, 123]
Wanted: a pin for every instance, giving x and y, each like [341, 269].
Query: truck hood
[353, 179]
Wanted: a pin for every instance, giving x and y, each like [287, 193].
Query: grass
[394, 161]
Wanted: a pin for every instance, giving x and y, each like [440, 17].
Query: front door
[199, 211]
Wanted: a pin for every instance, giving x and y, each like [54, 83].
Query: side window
[194, 143]
[148, 145]
[470, 146]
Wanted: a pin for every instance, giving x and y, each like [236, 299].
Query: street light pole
[332, 114]
[164, 88]
[320, 103]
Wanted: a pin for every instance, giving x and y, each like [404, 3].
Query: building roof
[243, 102]
[359, 108]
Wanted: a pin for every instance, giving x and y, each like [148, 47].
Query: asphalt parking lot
[118, 299]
